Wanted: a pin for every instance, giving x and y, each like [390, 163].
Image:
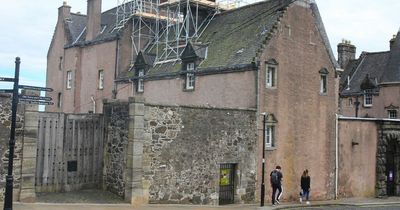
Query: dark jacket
[279, 178]
[305, 182]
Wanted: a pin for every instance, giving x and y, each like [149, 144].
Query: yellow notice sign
[224, 178]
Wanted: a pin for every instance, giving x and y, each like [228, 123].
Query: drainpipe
[94, 104]
[336, 154]
[115, 91]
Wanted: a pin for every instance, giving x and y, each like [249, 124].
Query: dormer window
[368, 97]
[140, 83]
[190, 79]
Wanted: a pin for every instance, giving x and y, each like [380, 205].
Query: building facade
[207, 95]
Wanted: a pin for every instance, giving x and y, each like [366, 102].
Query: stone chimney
[93, 19]
[346, 52]
[64, 12]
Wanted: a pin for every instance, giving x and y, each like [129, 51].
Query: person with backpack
[276, 184]
[305, 186]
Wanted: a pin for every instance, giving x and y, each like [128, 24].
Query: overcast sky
[28, 25]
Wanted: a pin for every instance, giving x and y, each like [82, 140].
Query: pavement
[360, 202]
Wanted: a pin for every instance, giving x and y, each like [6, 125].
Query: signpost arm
[9, 178]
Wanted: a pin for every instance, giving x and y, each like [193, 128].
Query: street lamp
[263, 161]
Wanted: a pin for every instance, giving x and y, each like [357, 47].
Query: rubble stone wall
[183, 150]
[5, 125]
[117, 119]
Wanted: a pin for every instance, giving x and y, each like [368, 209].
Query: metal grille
[227, 184]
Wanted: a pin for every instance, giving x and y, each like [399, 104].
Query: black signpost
[8, 198]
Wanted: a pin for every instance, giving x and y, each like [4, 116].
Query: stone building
[369, 85]
[192, 129]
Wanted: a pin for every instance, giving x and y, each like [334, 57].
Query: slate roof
[381, 68]
[76, 28]
[371, 64]
[232, 39]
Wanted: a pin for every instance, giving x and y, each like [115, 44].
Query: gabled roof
[371, 64]
[76, 28]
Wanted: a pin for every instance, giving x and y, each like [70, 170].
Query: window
[392, 114]
[60, 65]
[140, 84]
[59, 102]
[350, 102]
[269, 126]
[101, 79]
[368, 97]
[69, 79]
[323, 84]
[323, 89]
[271, 73]
[190, 76]
[269, 136]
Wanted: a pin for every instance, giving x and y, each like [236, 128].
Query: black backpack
[275, 178]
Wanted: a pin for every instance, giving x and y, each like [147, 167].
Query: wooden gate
[70, 152]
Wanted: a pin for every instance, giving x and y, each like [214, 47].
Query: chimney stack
[64, 12]
[93, 19]
[346, 52]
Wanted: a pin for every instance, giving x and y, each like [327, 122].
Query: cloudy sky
[28, 25]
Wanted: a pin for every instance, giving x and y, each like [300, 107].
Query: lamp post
[263, 162]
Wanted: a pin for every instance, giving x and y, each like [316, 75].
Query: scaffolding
[164, 27]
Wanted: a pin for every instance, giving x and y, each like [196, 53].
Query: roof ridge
[78, 14]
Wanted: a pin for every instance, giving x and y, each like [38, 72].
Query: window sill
[270, 148]
[188, 90]
[323, 94]
[367, 106]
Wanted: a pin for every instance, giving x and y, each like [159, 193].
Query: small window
[269, 135]
[368, 98]
[323, 89]
[101, 79]
[392, 114]
[350, 102]
[271, 71]
[190, 76]
[60, 65]
[69, 79]
[269, 126]
[59, 102]
[140, 84]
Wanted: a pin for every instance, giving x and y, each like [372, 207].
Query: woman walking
[305, 186]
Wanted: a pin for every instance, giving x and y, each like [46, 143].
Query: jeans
[306, 194]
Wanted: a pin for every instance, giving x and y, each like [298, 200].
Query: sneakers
[277, 201]
[308, 202]
[301, 200]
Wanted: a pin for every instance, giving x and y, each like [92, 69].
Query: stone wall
[116, 123]
[5, 125]
[183, 150]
